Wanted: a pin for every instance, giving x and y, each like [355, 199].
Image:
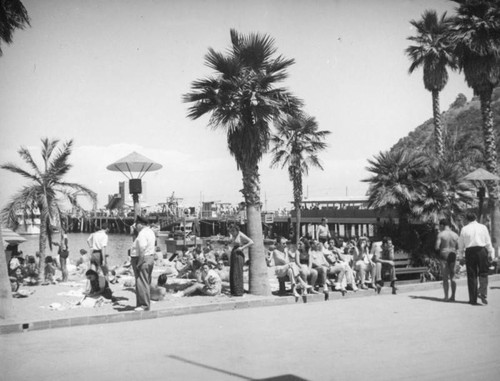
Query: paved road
[403, 337]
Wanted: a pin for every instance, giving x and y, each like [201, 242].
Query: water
[118, 245]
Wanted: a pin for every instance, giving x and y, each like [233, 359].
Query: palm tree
[397, 180]
[242, 99]
[296, 145]
[13, 16]
[444, 193]
[476, 37]
[432, 51]
[46, 191]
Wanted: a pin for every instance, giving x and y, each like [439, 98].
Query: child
[32, 271]
[50, 270]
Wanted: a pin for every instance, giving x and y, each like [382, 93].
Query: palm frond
[15, 169]
[28, 158]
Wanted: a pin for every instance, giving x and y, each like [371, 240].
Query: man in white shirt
[142, 259]
[324, 231]
[475, 242]
[98, 242]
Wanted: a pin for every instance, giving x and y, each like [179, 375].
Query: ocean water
[118, 245]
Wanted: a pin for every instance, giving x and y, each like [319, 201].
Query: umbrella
[481, 174]
[11, 237]
[134, 162]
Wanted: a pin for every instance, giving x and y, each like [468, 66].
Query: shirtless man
[447, 244]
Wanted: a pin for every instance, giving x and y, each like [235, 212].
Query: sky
[110, 75]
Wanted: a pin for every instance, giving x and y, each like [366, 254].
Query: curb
[213, 307]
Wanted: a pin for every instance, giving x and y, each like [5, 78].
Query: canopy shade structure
[11, 237]
[481, 174]
[134, 162]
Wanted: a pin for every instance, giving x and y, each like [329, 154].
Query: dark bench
[402, 262]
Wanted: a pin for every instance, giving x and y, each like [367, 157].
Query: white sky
[111, 74]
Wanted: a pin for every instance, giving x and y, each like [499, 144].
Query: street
[389, 337]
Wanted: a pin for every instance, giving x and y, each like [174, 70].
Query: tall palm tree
[13, 16]
[46, 191]
[296, 145]
[397, 180]
[476, 37]
[432, 51]
[242, 98]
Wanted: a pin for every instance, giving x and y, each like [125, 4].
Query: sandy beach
[60, 300]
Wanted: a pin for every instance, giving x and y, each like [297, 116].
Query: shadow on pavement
[121, 308]
[494, 288]
[119, 298]
[287, 377]
[434, 299]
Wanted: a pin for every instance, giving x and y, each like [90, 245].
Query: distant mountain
[462, 124]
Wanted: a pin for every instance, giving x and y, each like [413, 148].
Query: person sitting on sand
[159, 291]
[182, 266]
[209, 255]
[32, 271]
[14, 263]
[222, 270]
[196, 264]
[16, 279]
[83, 263]
[50, 270]
[159, 257]
[97, 285]
[211, 284]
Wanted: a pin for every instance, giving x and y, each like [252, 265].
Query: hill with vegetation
[463, 133]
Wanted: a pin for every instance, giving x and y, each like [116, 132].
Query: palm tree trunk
[258, 275]
[42, 246]
[5, 290]
[490, 145]
[438, 128]
[297, 198]
[490, 148]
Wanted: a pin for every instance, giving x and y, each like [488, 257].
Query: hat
[83, 251]
[141, 220]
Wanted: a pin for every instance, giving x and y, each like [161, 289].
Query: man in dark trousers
[475, 242]
[142, 259]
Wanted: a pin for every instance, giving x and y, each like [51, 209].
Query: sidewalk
[40, 319]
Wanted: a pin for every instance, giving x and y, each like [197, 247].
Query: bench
[402, 262]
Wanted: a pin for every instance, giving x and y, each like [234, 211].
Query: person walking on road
[475, 242]
[447, 245]
[142, 260]
[98, 242]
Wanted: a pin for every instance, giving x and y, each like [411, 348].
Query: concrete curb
[212, 307]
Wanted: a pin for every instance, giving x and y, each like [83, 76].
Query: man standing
[475, 241]
[98, 242]
[63, 254]
[323, 231]
[142, 259]
[447, 245]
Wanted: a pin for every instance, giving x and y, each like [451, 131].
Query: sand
[55, 301]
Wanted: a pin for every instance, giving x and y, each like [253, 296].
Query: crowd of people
[313, 265]
[316, 265]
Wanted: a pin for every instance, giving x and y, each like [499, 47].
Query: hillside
[462, 124]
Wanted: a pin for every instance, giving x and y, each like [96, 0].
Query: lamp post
[139, 165]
